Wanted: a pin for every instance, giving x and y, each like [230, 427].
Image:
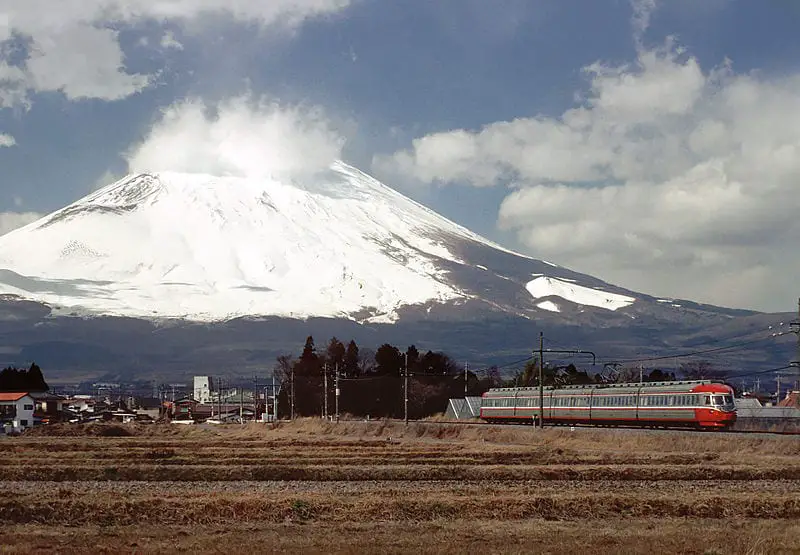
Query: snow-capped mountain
[205, 248]
[174, 274]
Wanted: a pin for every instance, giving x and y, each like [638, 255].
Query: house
[49, 407]
[16, 412]
[183, 409]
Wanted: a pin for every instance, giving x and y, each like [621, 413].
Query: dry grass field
[356, 487]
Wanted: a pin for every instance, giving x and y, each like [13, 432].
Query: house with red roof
[16, 412]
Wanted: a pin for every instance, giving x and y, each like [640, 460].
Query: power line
[745, 374]
[701, 352]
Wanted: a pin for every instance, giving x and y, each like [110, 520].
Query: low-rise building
[16, 412]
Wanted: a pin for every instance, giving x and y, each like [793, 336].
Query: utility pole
[274, 400]
[405, 385]
[796, 329]
[541, 380]
[778, 392]
[336, 377]
[466, 369]
[641, 370]
[325, 387]
[292, 391]
[241, 404]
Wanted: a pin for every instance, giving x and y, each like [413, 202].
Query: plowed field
[312, 486]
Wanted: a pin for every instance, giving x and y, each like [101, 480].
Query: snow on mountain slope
[206, 248]
[544, 286]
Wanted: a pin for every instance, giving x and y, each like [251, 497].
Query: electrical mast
[541, 380]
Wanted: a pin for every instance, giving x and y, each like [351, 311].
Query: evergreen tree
[412, 357]
[309, 363]
[14, 379]
[35, 379]
[351, 359]
[389, 360]
[309, 350]
[335, 354]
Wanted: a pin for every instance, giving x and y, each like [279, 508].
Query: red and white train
[691, 404]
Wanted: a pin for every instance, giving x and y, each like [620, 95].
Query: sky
[652, 143]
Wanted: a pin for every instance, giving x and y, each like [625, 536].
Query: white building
[16, 412]
[202, 389]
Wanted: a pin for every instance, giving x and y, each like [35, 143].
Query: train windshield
[722, 400]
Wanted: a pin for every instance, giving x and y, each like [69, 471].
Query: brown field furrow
[170, 457]
[628, 535]
[390, 472]
[219, 509]
[33, 490]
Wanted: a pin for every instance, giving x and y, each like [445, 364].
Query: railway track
[591, 427]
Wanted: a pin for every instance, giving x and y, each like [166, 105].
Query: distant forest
[16, 380]
[371, 383]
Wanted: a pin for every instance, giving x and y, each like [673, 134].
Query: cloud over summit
[239, 137]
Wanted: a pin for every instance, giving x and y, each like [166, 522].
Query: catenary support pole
[325, 392]
[405, 387]
[541, 380]
[337, 390]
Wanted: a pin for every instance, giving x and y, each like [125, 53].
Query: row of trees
[371, 382]
[17, 380]
[351, 362]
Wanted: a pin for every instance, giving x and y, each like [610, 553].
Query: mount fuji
[205, 248]
[172, 251]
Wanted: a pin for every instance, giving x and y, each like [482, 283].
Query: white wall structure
[16, 412]
[202, 389]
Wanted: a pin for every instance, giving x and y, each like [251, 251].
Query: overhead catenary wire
[695, 353]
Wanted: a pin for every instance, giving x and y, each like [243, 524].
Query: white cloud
[664, 178]
[73, 45]
[7, 140]
[240, 137]
[168, 41]
[10, 221]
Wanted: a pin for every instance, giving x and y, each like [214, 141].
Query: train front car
[717, 409]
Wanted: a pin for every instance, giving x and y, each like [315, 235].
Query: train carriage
[701, 404]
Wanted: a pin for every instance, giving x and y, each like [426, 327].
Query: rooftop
[12, 396]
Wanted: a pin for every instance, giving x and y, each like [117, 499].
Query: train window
[707, 399]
